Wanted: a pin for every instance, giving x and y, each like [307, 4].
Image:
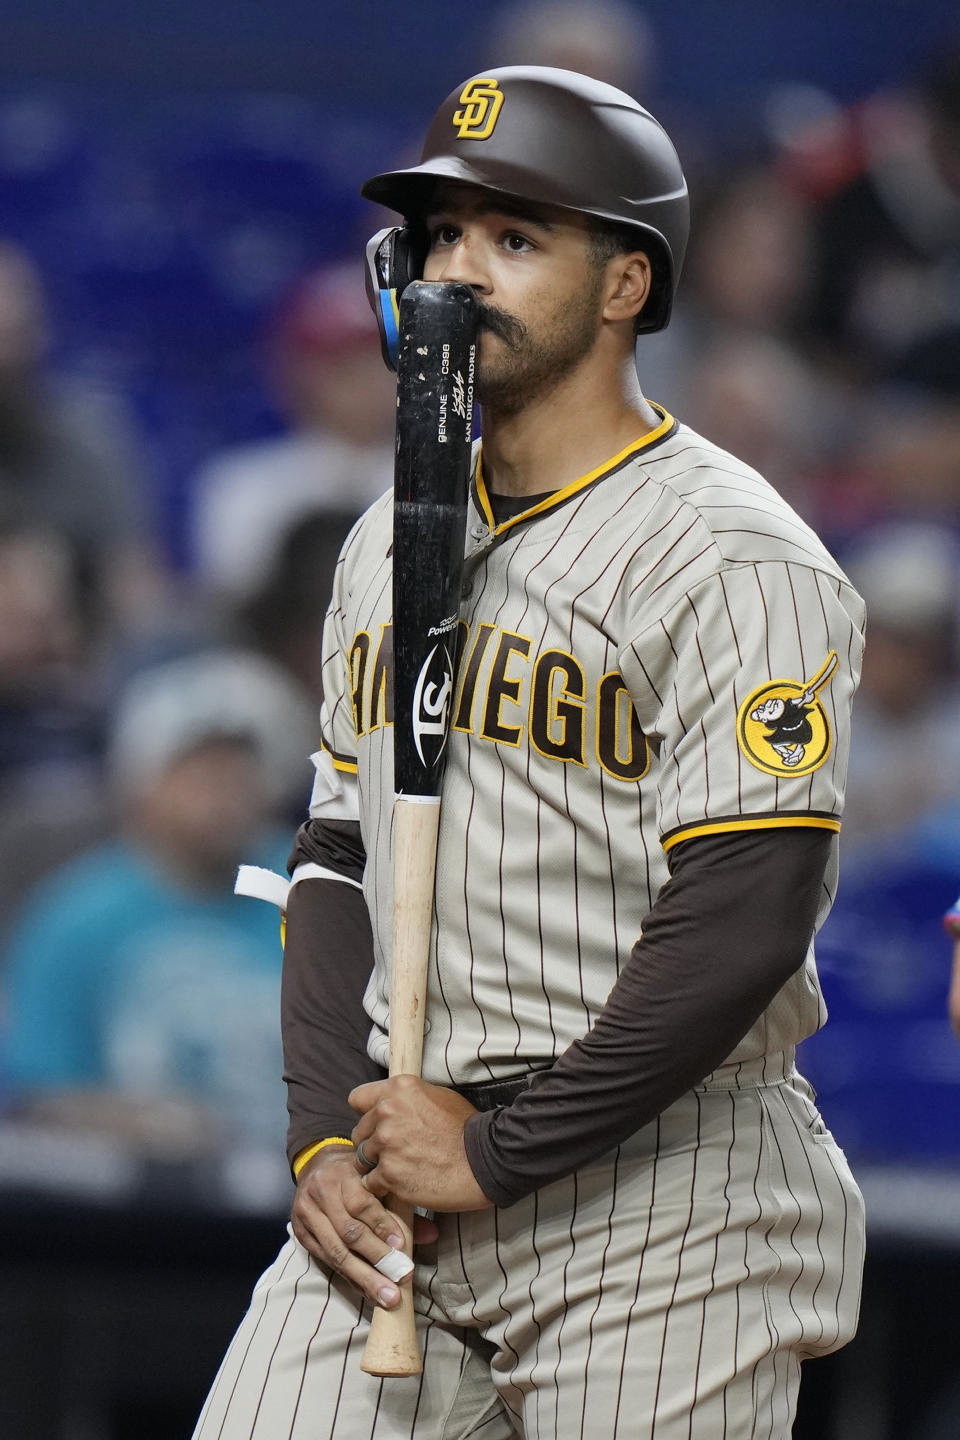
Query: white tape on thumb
[394, 1265]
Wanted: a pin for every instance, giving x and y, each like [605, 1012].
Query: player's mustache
[508, 327]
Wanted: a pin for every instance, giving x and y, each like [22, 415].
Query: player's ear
[629, 280]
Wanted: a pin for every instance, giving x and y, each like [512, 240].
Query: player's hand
[343, 1224]
[414, 1131]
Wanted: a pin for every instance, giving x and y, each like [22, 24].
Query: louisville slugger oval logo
[431, 705]
[783, 729]
[481, 100]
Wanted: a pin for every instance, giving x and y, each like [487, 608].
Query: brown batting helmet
[557, 138]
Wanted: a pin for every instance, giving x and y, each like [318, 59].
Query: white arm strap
[334, 798]
[267, 885]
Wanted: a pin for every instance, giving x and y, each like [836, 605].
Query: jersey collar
[558, 497]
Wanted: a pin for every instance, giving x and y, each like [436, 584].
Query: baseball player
[640, 1224]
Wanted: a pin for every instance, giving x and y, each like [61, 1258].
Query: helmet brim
[409, 191]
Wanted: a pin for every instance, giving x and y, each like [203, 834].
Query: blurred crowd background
[193, 412]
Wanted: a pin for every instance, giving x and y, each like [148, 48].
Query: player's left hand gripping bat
[438, 326]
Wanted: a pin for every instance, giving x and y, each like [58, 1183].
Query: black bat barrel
[435, 374]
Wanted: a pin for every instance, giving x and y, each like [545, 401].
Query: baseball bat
[435, 371]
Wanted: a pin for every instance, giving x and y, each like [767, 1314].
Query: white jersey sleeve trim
[335, 795]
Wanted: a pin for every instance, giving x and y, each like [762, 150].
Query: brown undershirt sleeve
[726, 932]
[323, 1021]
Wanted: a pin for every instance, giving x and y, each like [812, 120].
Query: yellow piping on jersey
[349, 767]
[772, 822]
[558, 496]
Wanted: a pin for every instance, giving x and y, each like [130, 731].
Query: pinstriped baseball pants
[668, 1292]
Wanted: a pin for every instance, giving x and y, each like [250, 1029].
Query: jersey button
[478, 532]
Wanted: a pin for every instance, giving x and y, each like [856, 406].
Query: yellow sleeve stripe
[340, 762]
[766, 822]
[308, 1153]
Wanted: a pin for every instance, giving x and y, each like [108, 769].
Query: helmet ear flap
[394, 257]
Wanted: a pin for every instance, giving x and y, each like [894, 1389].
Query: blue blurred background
[192, 413]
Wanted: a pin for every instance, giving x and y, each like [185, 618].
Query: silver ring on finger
[364, 1158]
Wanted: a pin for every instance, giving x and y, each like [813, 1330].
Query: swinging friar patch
[783, 729]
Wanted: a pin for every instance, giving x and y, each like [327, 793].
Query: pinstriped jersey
[663, 649]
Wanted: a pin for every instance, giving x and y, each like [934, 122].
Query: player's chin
[496, 383]
[490, 352]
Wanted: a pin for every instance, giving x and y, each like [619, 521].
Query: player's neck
[560, 436]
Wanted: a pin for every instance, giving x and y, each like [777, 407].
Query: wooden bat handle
[392, 1347]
